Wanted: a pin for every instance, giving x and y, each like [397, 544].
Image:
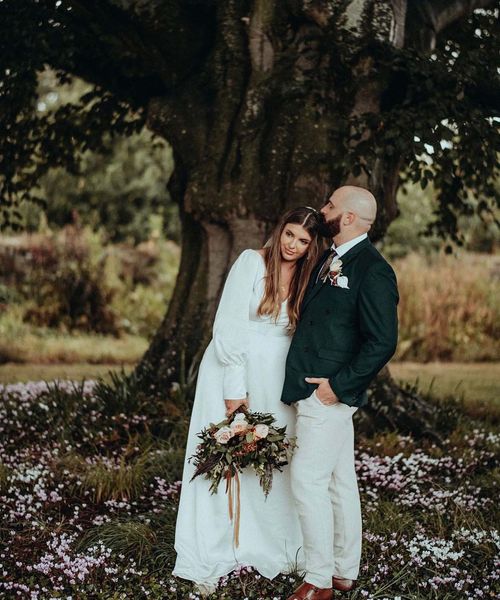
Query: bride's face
[294, 242]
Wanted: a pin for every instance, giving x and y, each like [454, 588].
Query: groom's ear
[349, 218]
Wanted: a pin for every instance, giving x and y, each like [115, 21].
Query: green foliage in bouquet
[245, 439]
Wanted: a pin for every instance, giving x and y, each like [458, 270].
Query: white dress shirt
[346, 246]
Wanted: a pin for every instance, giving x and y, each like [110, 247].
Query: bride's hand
[232, 405]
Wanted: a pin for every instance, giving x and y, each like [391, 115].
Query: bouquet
[245, 439]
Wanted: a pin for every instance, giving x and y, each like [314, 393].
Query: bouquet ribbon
[234, 503]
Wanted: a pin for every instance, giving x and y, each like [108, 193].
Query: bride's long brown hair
[309, 219]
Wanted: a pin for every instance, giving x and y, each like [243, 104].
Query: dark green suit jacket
[346, 335]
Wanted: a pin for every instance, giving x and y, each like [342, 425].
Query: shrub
[66, 287]
[107, 478]
[71, 281]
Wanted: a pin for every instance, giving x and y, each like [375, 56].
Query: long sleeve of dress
[230, 331]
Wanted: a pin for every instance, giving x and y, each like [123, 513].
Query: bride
[244, 364]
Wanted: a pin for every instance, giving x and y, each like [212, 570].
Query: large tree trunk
[271, 137]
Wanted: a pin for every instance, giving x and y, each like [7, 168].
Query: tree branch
[138, 53]
[427, 18]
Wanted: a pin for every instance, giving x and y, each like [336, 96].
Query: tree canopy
[435, 65]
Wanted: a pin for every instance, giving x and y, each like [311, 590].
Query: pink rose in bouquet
[223, 435]
[239, 425]
[261, 431]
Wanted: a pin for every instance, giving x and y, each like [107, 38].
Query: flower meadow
[89, 486]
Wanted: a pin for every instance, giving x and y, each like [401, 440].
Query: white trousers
[325, 490]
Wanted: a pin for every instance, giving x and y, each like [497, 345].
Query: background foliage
[115, 188]
[73, 281]
[436, 118]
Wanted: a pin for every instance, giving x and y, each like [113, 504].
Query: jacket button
[327, 311]
[306, 348]
[310, 322]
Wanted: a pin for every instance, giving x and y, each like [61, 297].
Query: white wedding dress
[246, 355]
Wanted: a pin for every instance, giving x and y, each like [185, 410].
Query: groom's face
[331, 228]
[331, 218]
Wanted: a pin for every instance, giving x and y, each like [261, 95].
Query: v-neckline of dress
[264, 262]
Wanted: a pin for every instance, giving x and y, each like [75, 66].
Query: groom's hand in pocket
[232, 405]
[324, 392]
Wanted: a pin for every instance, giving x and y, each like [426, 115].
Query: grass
[24, 343]
[27, 345]
[475, 382]
[105, 479]
[13, 372]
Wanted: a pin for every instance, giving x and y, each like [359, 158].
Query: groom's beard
[329, 229]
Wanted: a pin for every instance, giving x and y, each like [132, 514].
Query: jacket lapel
[353, 252]
[345, 258]
[312, 288]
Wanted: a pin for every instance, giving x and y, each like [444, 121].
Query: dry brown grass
[449, 307]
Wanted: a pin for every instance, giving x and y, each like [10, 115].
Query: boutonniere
[335, 275]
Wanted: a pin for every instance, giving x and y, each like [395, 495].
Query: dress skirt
[269, 539]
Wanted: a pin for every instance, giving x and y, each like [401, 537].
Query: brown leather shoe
[343, 585]
[307, 591]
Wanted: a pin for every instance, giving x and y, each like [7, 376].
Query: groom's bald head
[359, 201]
[349, 212]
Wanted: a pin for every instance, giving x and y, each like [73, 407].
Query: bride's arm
[230, 331]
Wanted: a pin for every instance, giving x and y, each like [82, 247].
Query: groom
[347, 332]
